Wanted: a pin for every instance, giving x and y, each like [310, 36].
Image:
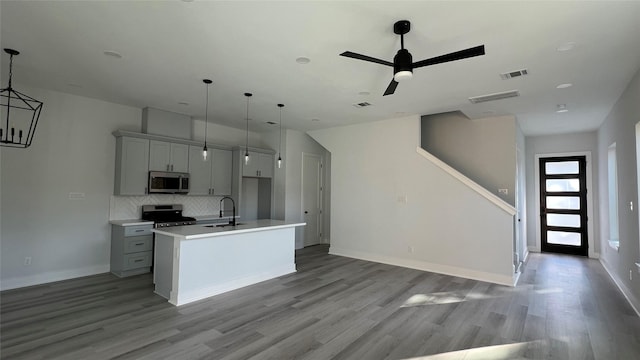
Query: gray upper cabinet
[260, 165]
[199, 172]
[167, 156]
[221, 172]
[210, 177]
[132, 166]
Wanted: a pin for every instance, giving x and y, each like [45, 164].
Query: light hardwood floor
[333, 308]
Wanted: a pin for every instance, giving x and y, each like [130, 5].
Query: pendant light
[246, 148]
[280, 146]
[18, 111]
[205, 151]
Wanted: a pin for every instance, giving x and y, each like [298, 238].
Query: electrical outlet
[27, 261]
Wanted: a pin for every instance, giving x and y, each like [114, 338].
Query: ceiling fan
[403, 64]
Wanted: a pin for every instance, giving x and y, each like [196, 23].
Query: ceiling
[168, 47]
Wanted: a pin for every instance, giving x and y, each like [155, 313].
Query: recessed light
[364, 93]
[113, 54]
[562, 108]
[303, 60]
[183, 103]
[315, 119]
[564, 86]
[566, 46]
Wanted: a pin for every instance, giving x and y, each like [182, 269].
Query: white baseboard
[633, 301]
[508, 280]
[526, 256]
[203, 293]
[533, 248]
[38, 279]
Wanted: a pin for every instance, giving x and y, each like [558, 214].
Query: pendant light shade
[280, 146]
[205, 151]
[19, 113]
[246, 148]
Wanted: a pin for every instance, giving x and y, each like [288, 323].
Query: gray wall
[72, 151]
[619, 127]
[483, 150]
[558, 144]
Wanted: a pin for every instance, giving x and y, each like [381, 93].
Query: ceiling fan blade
[458, 55]
[365, 58]
[391, 88]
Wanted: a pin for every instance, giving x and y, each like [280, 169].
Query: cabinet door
[132, 161]
[199, 171]
[251, 169]
[179, 158]
[159, 156]
[266, 165]
[221, 172]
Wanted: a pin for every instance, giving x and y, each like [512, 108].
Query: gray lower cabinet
[131, 249]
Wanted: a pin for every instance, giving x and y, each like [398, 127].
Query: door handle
[306, 212]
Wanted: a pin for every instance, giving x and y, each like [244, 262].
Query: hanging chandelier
[19, 113]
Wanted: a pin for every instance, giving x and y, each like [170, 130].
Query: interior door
[563, 205]
[311, 204]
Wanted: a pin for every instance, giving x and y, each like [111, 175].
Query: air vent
[496, 96]
[515, 73]
[271, 123]
[361, 104]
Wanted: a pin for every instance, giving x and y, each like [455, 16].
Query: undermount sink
[222, 225]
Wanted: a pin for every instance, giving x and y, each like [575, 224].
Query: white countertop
[200, 231]
[130, 222]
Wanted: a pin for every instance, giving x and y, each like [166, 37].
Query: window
[612, 175]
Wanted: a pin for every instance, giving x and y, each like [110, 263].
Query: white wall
[482, 149]
[619, 127]
[288, 179]
[559, 144]
[224, 135]
[443, 226]
[298, 143]
[72, 151]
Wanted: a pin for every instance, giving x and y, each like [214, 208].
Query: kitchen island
[195, 262]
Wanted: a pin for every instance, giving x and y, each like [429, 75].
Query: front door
[563, 205]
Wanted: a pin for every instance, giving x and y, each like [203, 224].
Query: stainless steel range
[166, 215]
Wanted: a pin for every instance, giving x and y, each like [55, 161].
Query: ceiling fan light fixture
[401, 76]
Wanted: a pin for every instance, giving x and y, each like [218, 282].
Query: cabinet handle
[138, 244]
[213, 191]
[146, 190]
[139, 260]
[140, 230]
[171, 167]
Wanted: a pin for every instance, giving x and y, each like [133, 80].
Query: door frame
[590, 190]
[320, 195]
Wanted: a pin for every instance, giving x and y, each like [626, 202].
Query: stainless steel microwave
[168, 182]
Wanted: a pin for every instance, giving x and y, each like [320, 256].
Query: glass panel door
[563, 200]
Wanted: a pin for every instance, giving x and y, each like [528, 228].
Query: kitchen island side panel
[209, 266]
[163, 265]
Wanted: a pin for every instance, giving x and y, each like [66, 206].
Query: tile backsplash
[130, 207]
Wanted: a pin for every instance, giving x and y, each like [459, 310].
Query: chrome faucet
[233, 219]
